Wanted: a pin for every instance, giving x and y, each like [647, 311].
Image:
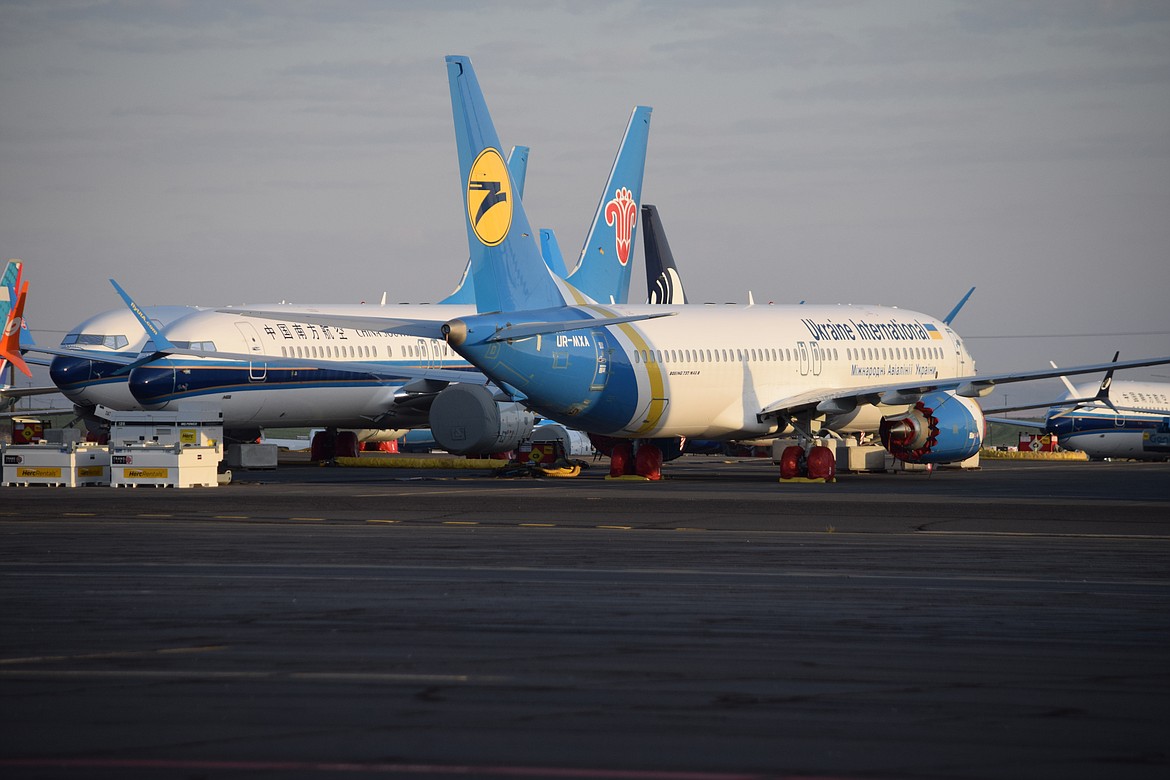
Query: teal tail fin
[464, 293]
[507, 269]
[604, 269]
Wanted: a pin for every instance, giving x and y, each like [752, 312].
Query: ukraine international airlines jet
[652, 374]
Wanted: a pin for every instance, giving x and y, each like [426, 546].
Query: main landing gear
[643, 463]
[332, 443]
[814, 463]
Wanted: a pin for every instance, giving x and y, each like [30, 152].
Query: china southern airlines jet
[273, 387]
[650, 375]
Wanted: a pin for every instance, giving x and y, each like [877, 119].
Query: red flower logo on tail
[622, 214]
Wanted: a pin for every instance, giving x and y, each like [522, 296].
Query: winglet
[161, 343]
[1102, 395]
[955, 311]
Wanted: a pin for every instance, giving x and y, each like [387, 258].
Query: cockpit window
[198, 346]
[95, 340]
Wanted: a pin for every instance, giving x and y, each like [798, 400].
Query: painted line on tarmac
[332, 768]
[1043, 535]
[38, 659]
[225, 674]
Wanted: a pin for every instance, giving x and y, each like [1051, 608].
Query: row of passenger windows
[357, 351]
[781, 355]
[1142, 398]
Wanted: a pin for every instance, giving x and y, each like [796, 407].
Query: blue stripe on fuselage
[151, 385]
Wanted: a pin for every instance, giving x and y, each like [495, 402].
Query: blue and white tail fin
[604, 269]
[507, 269]
[464, 293]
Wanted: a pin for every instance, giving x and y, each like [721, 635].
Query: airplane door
[803, 357]
[816, 354]
[960, 360]
[426, 356]
[257, 369]
[601, 368]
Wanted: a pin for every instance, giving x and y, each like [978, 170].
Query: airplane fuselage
[1139, 427]
[275, 390]
[709, 371]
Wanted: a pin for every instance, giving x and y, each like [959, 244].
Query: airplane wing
[24, 392]
[1039, 425]
[104, 357]
[841, 400]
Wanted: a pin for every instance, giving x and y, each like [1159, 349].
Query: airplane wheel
[792, 462]
[648, 462]
[347, 444]
[821, 463]
[621, 459]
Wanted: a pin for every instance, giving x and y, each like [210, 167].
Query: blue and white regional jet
[651, 375]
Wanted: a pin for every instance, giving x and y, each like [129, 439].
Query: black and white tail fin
[663, 283]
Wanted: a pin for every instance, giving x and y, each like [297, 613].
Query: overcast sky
[856, 152]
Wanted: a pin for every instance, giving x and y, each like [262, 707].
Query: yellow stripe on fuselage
[654, 372]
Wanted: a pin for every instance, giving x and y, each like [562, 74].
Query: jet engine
[467, 419]
[940, 428]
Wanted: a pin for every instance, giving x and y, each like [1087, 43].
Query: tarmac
[317, 622]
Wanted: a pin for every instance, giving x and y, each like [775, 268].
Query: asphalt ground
[319, 622]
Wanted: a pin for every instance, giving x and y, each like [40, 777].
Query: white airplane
[1122, 419]
[274, 387]
[651, 375]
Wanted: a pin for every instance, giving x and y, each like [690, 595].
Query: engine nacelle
[468, 419]
[941, 428]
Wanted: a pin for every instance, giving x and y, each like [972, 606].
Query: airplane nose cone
[151, 385]
[69, 373]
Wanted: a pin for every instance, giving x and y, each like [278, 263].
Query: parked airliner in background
[653, 374]
[1121, 419]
